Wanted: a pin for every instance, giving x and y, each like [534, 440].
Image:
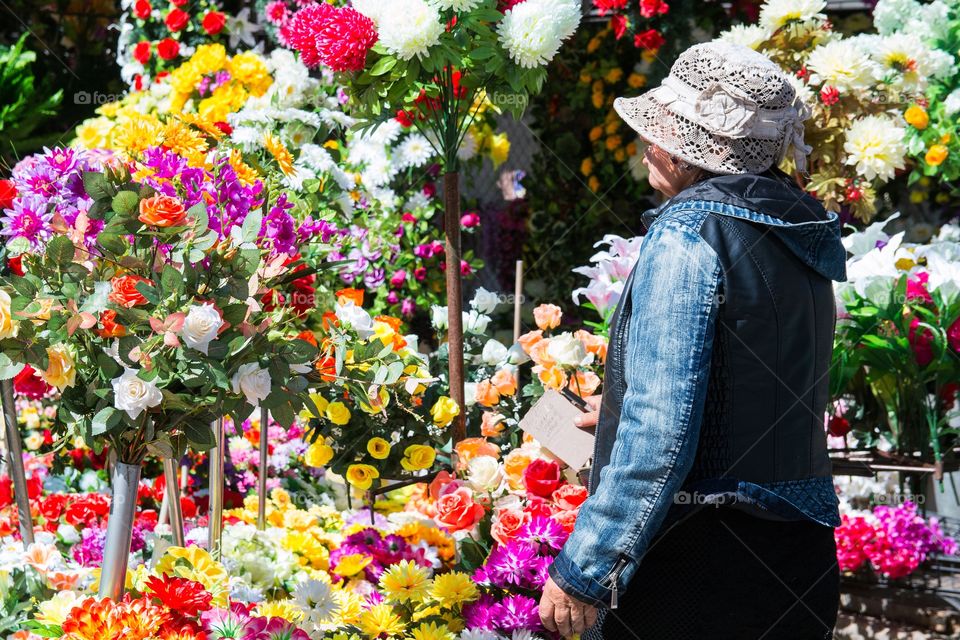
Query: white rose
[357, 318]
[470, 393]
[494, 352]
[474, 322]
[253, 382]
[484, 473]
[566, 350]
[485, 301]
[68, 533]
[516, 355]
[133, 395]
[438, 317]
[201, 326]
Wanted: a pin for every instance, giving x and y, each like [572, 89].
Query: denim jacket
[717, 374]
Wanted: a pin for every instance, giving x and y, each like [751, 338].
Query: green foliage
[26, 102]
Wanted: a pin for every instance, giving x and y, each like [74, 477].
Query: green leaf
[60, 250]
[383, 66]
[9, 368]
[199, 213]
[284, 414]
[105, 420]
[125, 202]
[97, 186]
[250, 230]
[199, 434]
[148, 292]
[171, 280]
[112, 243]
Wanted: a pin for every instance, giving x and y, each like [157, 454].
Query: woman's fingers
[547, 610]
[561, 616]
[587, 419]
[591, 617]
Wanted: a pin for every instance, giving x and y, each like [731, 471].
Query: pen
[575, 399]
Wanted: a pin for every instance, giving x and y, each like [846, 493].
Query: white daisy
[778, 13]
[414, 151]
[875, 146]
[747, 35]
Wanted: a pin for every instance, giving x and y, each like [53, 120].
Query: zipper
[614, 579]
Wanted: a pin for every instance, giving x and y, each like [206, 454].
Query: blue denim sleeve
[667, 364]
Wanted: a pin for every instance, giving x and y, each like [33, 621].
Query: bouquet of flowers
[895, 359]
[378, 412]
[857, 89]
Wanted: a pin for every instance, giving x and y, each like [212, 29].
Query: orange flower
[584, 383]
[330, 320]
[597, 345]
[529, 339]
[470, 448]
[487, 394]
[41, 556]
[457, 511]
[936, 154]
[552, 377]
[327, 367]
[63, 580]
[111, 328]
[538, 353]
[491, 424]
[390, 320]
[547, 316]
[103, 619]
[505, 383]
[307, 336]
[124, 291]
[162, 211]
[350, 295]
[514, 464]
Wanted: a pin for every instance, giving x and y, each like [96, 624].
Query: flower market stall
[255, 380]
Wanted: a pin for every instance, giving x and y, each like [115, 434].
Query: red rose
[619, 24]
[7, 193]
[651, 8]
[542, 477]
[214, 22]
[124, 291]
[29, 385]
[34, 487]
[141, 52]
[110, 327]
[569, 497]
[168, 49]
[179, 3]
[649, 39]
[177, 19]
[88, 509]
[188, 507]
[142, 9]
[52, 506]
[6, 491]
[223, 126]
[838, 426]
[457, 511]
[137, 82]
[16, 265]
[539, 507]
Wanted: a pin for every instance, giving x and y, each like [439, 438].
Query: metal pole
[451, 198]
[15, 462]
[215, 513]
[172, 495]
[517, 300]
[262, 471]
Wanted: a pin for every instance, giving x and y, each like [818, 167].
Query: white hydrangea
[841, 64]
[408, 28]
[533, 31]
[889, 16]
[777, 13]
[951, 104]
[875, 146]
[747, 35]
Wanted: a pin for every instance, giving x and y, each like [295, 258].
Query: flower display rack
[869, 461]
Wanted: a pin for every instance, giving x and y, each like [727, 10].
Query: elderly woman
[712, 504]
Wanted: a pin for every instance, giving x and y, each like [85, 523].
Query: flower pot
[116, 551]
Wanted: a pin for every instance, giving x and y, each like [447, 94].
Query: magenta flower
[29, 219]
[517, 612]
[546, 533]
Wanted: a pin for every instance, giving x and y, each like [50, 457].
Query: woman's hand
[564, 614]
[589, 419]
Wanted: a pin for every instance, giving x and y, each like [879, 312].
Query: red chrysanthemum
[188, 597]
[337, 37]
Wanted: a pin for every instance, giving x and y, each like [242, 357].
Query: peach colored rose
[457, 511]
[567, 519]
[547, 316]
[162, 211]
[529, 339]
[491, 424]
[597, 345]
[487, 394]
[538, 353]
[551, 377]
[505, 382]
[444, 483]
[514, 464]
[507, 524]
[124, 291]
[469, 448]
[584, 383]
[569, 497]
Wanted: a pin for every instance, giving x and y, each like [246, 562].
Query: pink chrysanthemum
[337, 37]
[277, 12]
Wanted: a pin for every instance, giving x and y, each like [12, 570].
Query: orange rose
[569, 497]
[390, 320]
[505, 383]
[547, 316]
[507, 524]
[567, 519]
[350, 295]
[469, 448]
[584, 383]
[124, 291]
[491, 424]
[514, 464]
[551, 377]
[529, 339]
[307, 336]
[457, 511]
[330, 320]
[538, 353]
[162, 211]
[111, 328]
[597, 345]
[487, 394]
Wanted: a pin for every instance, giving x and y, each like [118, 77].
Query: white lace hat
[725, 108]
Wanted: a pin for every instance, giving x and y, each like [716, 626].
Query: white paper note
[550, 421]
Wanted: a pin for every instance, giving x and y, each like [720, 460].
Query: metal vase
[123, 509]
[15, 462]
[172, 495]
[215, 514]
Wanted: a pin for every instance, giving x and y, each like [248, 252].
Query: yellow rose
[499, 148]
[444, 411]
[377, 403]
[916, 117]
[936, 154]
[8, 327]
[362, 475]
[62, 370]
[417, 457]
[318, 454]
[597, 100]
[317, 406]
[594, 183]
[378, 448]
[337, 413]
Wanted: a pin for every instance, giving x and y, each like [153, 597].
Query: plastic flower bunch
[931, 136]
[856, 89]
[378, 412]
[152, 314]
[899, 329]
[608, 274]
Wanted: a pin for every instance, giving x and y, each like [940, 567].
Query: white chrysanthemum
[939, 63]
[890, 16]
[408, 28]
[373, 9]
[747, 35]
[903, 60]
[315, 599]
[469, 147]
[456, 5]
[533, 31]
[414, 151]
[875, 145]
[951, 104]
[418, 200]
[777, 13]
[841, 64]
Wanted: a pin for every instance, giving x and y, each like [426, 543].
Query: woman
[712, 505]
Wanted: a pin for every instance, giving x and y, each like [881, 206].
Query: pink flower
[420, 273]
[507, 523]
[953, 335]
[457, 511]
[465, 268]
[569, 497]
[921, 341]
[470, 219]
[337, 37]
[277, 12]
[398, 278]
[917, 287]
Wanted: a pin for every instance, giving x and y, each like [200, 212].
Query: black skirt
[723, 574]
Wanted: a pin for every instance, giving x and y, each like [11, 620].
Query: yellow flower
[636, 80]
[454, 589]
[338, 413]
[284, 158]
[316, 407]
[632, 149]
[594, 44]
[137, 133]
[249, 68]
[377, 403]
[94, 134]
[499, 149]
[444, 411]
[417, 457]
[318, 454]
[331, 144]
[185, 141]
[945, 138]
[206, 59]
[405, 581]
[61, 371]
[905, 264]
[286, 609]
[620, 155]
[614, 142]
[380, 621]
[612, 127]
[352, 564]
[596, 133]
[350, 606]
[362, 475]
[378, 448]
[431, 631]
[597, 86]
[916, 197]
[614, 75]
[194, 563]
[55, 610]
[597, 100]
[586, 167]
[936, 154]
[916, 117]
[585, 77]
[8, 326]
[594, 184]
[245, 173]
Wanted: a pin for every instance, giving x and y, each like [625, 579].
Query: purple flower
[29, 219]
[517, 612]
[544, 532]
[509, 564]
[89, 551]
[374, 278]
[479, 614]
[408, 306]
[273, 629]
[226, 623]
[393, 297]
